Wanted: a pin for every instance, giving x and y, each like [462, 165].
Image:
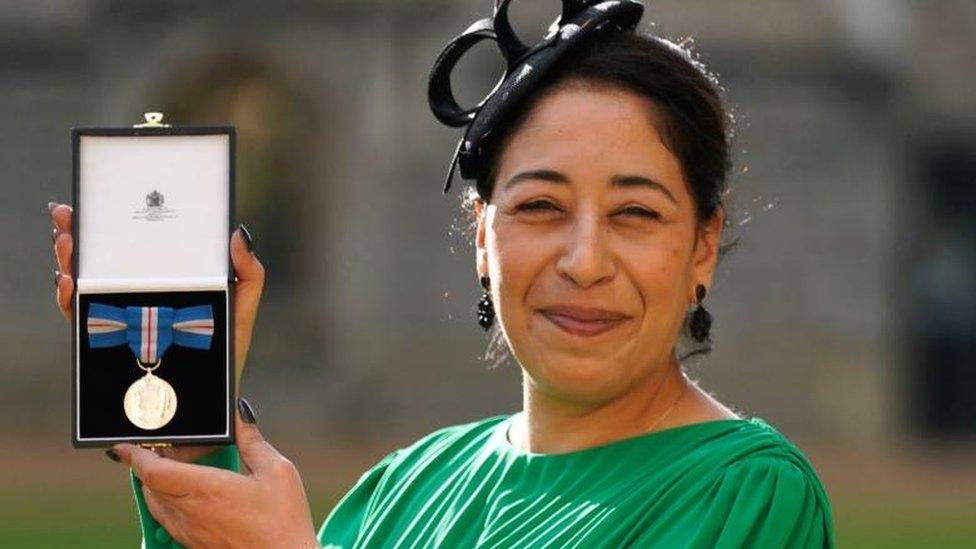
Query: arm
[155, 536]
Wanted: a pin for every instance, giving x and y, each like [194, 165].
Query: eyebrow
[616, 181]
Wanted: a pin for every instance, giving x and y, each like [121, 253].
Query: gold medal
[150, 402]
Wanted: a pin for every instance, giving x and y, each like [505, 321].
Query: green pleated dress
[721, 483]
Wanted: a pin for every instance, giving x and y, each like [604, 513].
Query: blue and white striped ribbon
[150, 331]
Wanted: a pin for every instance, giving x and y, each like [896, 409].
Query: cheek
[516, 258]
[658, 273]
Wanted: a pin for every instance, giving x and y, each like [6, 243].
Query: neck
[550, 424]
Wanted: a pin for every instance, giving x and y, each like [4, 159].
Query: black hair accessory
[527, 67]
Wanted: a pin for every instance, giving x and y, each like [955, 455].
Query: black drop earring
[701, 319]
[486, 309]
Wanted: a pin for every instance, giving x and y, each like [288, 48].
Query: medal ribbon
[150, 331]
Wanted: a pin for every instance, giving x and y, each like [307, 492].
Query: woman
[598, 212]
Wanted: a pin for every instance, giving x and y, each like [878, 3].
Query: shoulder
[756, 444]
[752, 450]
[767, 487]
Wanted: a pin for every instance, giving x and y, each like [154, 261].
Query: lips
[583, 321]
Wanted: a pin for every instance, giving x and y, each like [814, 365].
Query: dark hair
[697, 129]
[695, 125]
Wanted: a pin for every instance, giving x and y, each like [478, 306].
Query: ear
[481, 252]
[706, 251]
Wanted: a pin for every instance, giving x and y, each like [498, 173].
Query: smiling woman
[600, 167]
[598, 217]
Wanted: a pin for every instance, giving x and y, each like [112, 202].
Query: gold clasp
[155, 447]
[153, 120]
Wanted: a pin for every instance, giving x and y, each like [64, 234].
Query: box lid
[153, 208]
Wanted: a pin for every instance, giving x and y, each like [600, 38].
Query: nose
[586, 259]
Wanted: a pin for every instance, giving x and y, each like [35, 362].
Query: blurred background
[846, 317]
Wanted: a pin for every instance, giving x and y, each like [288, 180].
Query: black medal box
[152, 328]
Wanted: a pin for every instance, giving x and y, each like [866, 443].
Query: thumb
[256, 453]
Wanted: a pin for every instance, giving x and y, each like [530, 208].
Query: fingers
[61, 215]
[158, 509]
[257, 454]
[247, 296]
[167, 512]
[63, 241]
[250, 278]
[65, 288]
[168, 477]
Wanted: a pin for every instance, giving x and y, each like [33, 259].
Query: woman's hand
[250, 282]
[207, 507]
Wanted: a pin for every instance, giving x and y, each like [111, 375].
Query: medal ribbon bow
[150, 331]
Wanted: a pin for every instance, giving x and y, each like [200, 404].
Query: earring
[701, 319]
[486, 310]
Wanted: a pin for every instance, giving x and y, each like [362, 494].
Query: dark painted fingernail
[247, 237]
[57, 278]
[112, 455]
[51, 206]
[247, 413]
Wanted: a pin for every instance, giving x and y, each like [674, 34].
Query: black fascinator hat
[526, 69]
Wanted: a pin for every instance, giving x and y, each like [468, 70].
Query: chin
[578, 379]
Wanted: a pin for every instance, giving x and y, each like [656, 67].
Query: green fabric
[722, 483]
[155, 536]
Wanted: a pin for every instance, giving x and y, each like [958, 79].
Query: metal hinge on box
[153, 120]
[154, 447]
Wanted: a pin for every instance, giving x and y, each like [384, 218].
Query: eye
[640, 212]
[537, 205]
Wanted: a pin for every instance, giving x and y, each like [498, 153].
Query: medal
[150, 402]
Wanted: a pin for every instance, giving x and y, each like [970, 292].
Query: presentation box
[152, 329]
